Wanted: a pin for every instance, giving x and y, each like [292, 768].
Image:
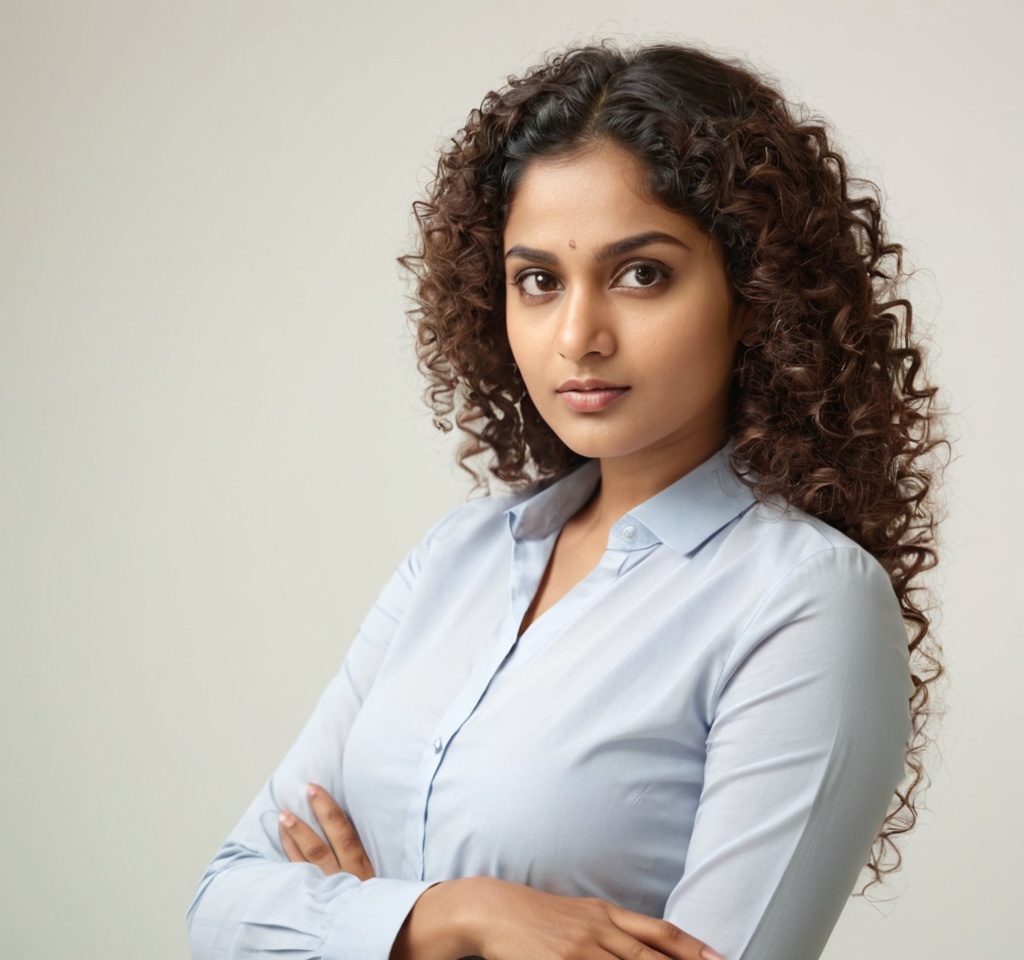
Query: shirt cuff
[365, 926]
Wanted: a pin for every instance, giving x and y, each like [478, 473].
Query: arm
[252, 901]
[808, 718]
[276, 886]
[479, 916]
[805, 748]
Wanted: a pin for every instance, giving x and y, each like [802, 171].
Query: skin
[608, 284]
[480, 916]
[605, 285]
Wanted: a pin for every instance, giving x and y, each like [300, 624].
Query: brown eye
[641, 275]
[537, 283]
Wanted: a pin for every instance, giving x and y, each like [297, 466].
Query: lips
[590, 395]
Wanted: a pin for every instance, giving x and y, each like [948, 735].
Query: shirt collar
[695, 507]
[547, 511]
[682, 516]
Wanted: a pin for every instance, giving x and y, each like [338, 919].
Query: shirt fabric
[708, 727]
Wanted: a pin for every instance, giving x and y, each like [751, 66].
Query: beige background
[212, 451]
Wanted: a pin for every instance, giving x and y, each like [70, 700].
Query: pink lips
[589, 396]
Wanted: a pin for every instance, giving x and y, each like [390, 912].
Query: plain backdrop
[212, 448]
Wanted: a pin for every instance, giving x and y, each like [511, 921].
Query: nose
[585, 326]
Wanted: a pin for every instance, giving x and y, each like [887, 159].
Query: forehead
[589, 198]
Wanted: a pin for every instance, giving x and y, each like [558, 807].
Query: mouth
[591, 395]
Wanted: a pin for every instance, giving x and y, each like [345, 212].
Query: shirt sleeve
[805, 748]
[252, 902]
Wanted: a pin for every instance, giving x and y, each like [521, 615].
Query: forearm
[248, 906]
[484, 917]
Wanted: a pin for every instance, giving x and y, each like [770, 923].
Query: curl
[831, 408]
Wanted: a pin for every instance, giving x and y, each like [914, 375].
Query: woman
[659, 698]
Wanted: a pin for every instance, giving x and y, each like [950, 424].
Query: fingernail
[706, 953]
[310, 791]
[286, 818]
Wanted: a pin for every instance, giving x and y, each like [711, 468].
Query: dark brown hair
[830, 407]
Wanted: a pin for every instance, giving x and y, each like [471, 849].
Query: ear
[745, 324]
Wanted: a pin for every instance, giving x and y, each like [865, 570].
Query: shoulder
[812, 586]
[819, 633]
[783, 544]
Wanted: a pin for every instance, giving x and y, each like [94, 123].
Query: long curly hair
[830, 407]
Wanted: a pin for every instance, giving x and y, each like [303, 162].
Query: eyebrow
[615, 249]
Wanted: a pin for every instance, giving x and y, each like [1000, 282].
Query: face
[619, 314]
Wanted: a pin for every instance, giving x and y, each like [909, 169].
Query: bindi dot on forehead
[572, 244]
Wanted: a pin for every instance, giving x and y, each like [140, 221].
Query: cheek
[695, 339]
[700, 357]
[524, 350]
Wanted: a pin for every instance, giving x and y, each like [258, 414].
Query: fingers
[628, 947]
[661, 935]
[285, 821]
[302, 843]
[623, 946]
[340, 833]
[342, 852]
[501, 920]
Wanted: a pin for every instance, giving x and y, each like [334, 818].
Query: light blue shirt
[708, 727]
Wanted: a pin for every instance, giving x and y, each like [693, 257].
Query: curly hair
[830, 408]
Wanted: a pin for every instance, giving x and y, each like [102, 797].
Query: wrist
[443, 923]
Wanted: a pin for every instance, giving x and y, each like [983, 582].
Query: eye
[537, 283]
[638, 276]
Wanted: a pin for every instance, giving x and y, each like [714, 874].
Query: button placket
[459, 711]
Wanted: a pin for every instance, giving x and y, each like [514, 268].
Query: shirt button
[438, 743]
[629, 532]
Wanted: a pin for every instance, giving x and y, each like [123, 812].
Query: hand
[499, 920]
[342, 853]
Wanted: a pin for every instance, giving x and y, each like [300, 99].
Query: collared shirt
[708, 727]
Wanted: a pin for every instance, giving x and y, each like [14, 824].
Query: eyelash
[525, 275]
[663, 273]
